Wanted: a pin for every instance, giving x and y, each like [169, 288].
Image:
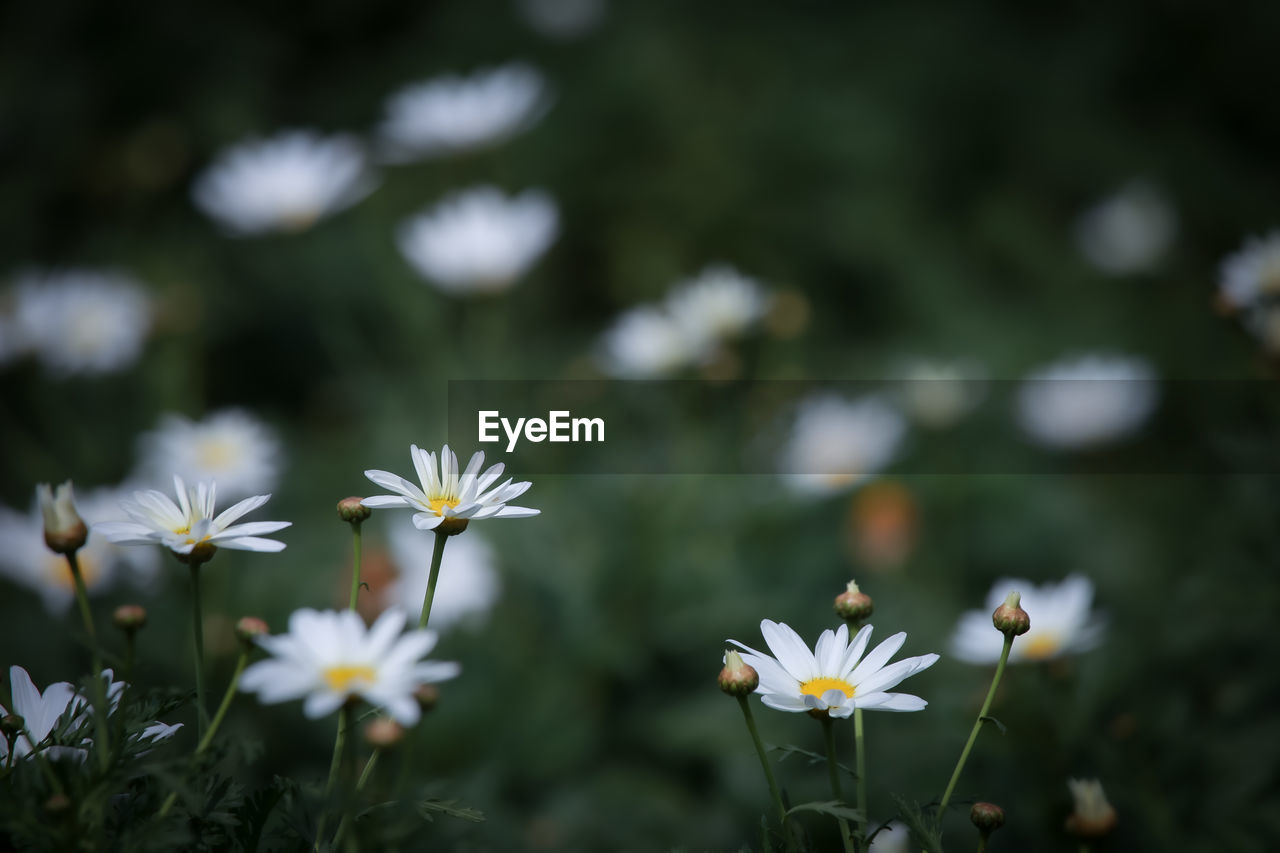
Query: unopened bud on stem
[987, 817]
[64, 531]
[1093, 816]
[130, 618]
[737, 678]
[250, 627]
[1010, 619]
[853, 604]
[352, 510]
[383, 732]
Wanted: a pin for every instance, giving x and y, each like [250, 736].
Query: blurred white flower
[329, 657]
[938, 394]
[479, 240]
[231, 446]
[1061, 622]
[562, 19]
[446, 497]
[42, 711]
[834, 677]
[1128, 231]
[286, 182]
[189, 526]
[1085, 401]
[466, 588]
[718, 304]
[836, 443]
[454, 113]
[1251, 275]
[644, 343]
[27, 560]
[894, 838]
[79, 321]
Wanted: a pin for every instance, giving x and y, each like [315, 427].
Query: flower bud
[64, 531]
[987, 817]
[1010, 619]
[57, 804]
[853, 604]
[129, 618]
[11, 725]
[1093, 816]
[352, 510]
[250, 627]
[737, 678]
[428, 696]
[451, 526]
[383, 732]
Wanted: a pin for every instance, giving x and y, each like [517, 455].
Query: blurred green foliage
[913, 169]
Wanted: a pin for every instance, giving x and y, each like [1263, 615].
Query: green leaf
[835, 808]
[924, 831]
[999, 725]
[449, 807]
[814, 757]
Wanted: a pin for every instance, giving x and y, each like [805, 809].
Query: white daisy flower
[448, 496]
[329, 657]
[42, 711]
[286, 182]
[834, 677]
[190, 525]
[479, 240]
[645, 343]
[836, 443]
[1061, 622]
[466, 589]
[1085, 401]
[231, 447]
[1251, 275]
[454, 113]
[938, 394]
[1129, 231]
[718, 304]
[27, 560]
[80, 321]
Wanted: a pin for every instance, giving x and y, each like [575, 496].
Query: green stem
[100, 709]
[355, 563]
[213, 727]
[339, 745]
[860, 760]
[977, 726]
[197, 629]
[436, 556]
[833, 770]
[82, 598]
[364, 778]
[130, 647]
[764, 761]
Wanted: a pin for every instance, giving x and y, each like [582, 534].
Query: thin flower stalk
[335, 765]
[764, 762]
[437, 555]
[977, 725]
[860, 761]
[355, 564]
[833, 771]
[99, 690]
[360, 783]
[213, 726]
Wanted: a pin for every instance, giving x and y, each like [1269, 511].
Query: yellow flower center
[59, 573]
[215, 454]
[437, 504]
[341, 677]
[818, 686]
[1041, 646]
